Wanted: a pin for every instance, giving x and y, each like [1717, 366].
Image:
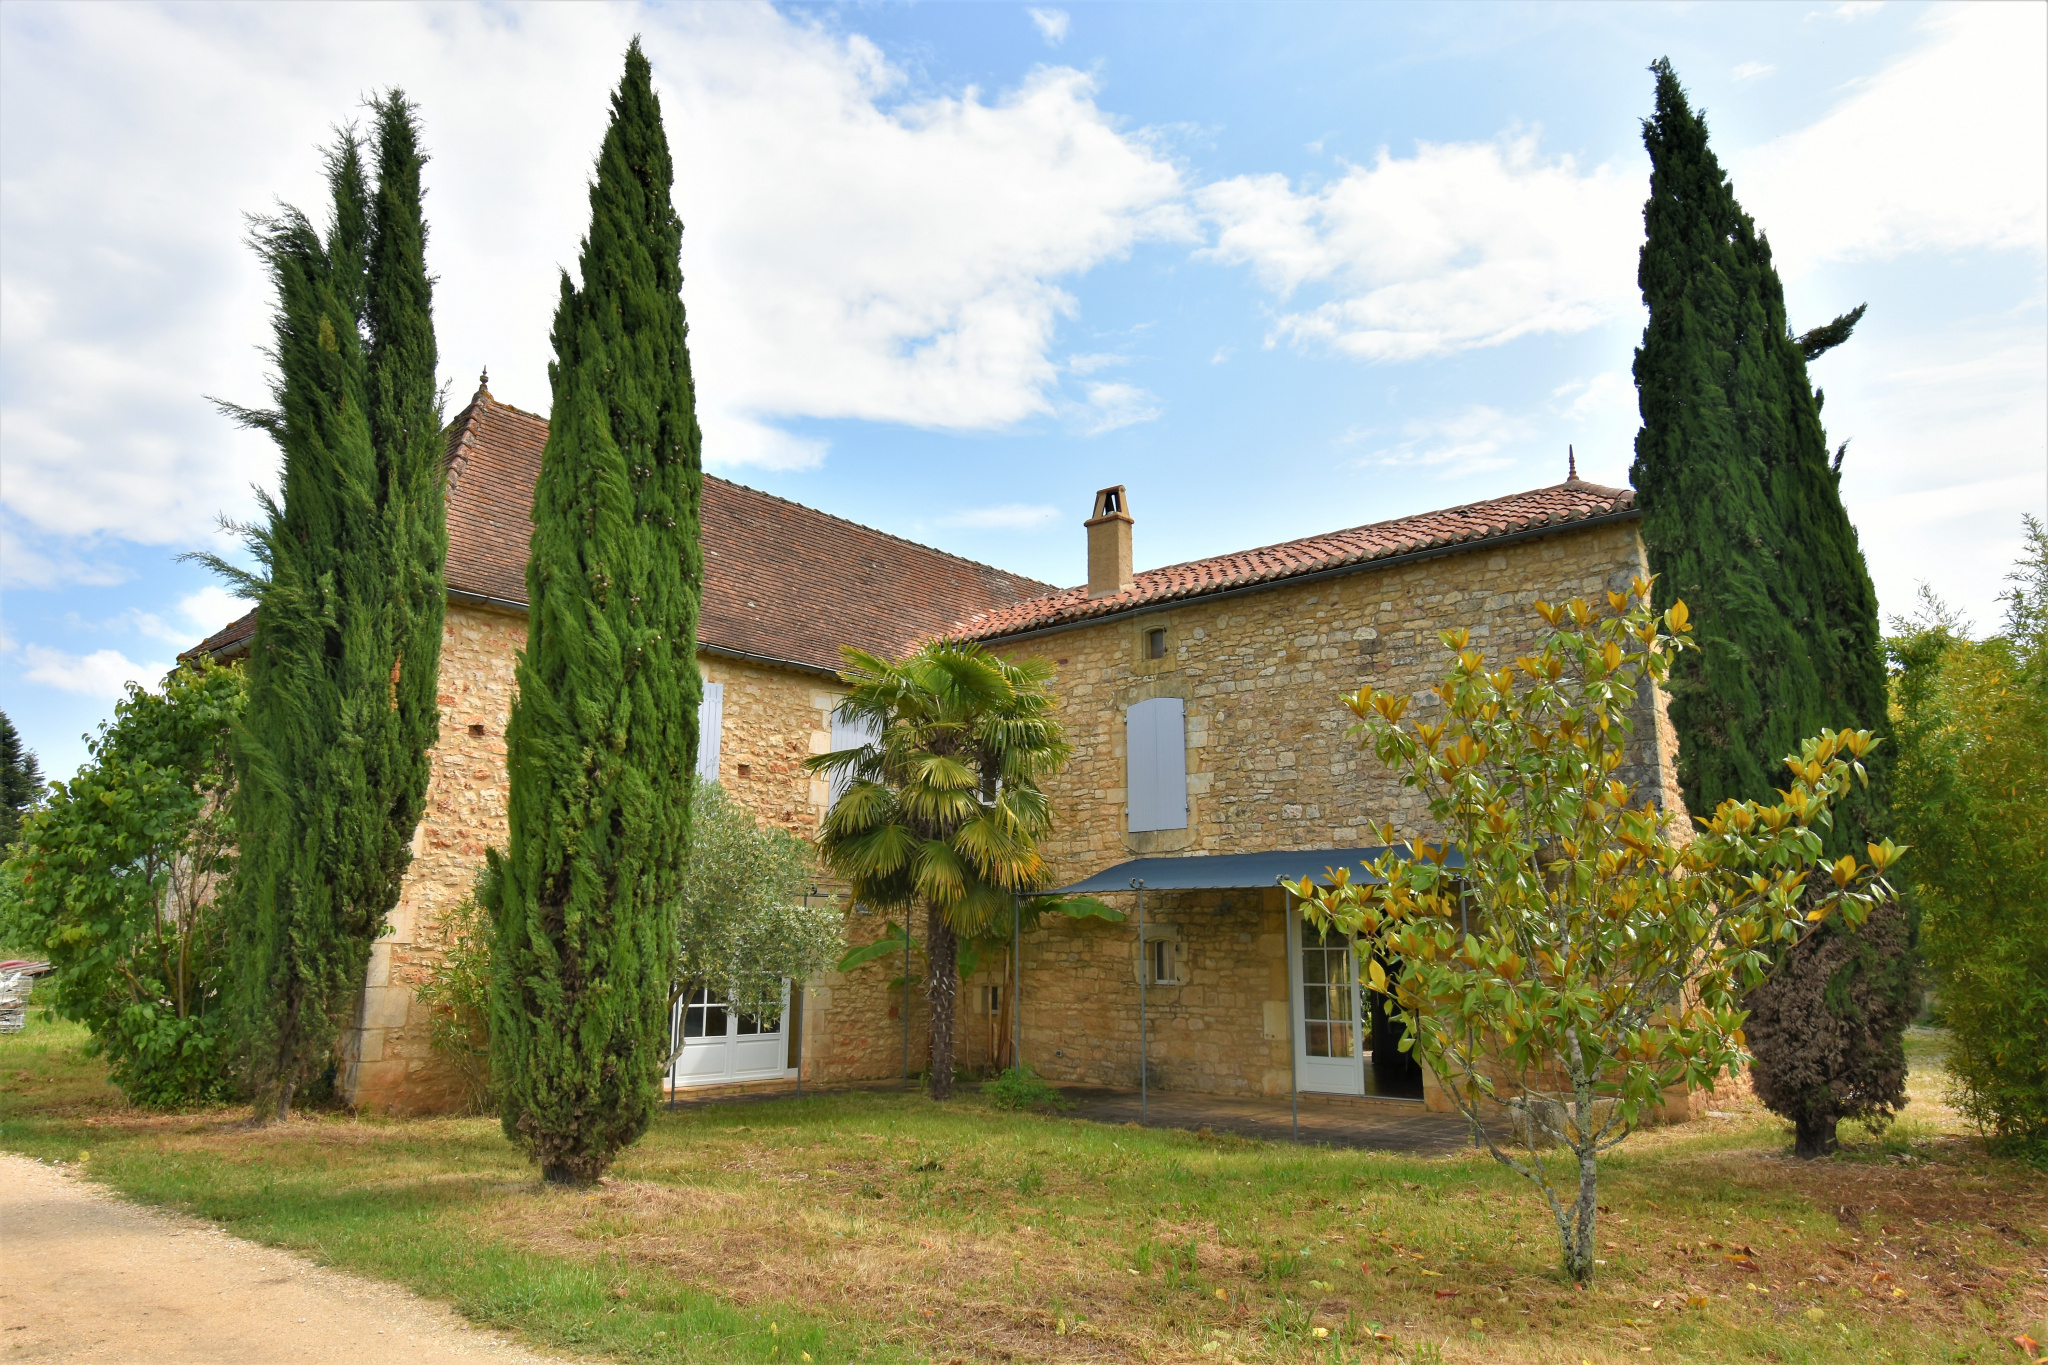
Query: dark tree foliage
[1743, 520]
[1827, 1027]
[21, 780]
[603, 736]
[1742, 514]
[342, 709]
[1818, 342]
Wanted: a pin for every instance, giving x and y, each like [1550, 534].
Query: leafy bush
[746, 925]
[120, 878]
[458, 990]
[1022, 1088]
[1971, 797]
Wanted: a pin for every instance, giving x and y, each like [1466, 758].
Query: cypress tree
[1742, 509]
[21, 780]
[342, 705]
[602, 741]
[1743, 520]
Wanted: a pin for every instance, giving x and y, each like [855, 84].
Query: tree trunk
[1578, 1254]
[1815, 1136]
[284, 1100]
[942, 990]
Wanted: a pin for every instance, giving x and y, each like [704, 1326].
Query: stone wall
[774, 718]
[1269, 767]
[388, 1060]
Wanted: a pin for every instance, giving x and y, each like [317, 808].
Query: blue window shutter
[1156, 751]
[710, 726]
[848, 734]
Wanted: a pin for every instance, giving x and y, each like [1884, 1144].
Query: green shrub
[458, 991]
[1971, 798]
[1022, 1088]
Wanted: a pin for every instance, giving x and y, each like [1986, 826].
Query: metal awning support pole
[1017, 984]
[1144, 965]
[1293, 1075]
[906, 997]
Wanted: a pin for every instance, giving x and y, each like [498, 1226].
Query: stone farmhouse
[1210, 759]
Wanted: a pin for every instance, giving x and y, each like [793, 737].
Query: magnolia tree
[1586, 952]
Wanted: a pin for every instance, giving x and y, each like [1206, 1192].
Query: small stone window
[746, 770]
[1155, 643]
[477, 731]
[988, 1000]
[1164, 962]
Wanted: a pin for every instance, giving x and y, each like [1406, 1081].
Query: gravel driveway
[85, 1276]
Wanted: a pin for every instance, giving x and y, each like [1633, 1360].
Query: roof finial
[483, 382]
[1571, 465]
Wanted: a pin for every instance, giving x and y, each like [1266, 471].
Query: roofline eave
[517, 608]
[1292, 580]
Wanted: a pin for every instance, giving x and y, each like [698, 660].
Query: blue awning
[1233, 871]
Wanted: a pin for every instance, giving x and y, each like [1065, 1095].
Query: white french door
[718, 1045]
[1329, 1037]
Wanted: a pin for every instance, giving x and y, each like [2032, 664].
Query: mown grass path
[884, 1227]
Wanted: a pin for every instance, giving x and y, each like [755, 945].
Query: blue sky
[1277, 268]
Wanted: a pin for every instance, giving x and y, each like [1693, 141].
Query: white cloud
[1852, 10]
[1945, 149]
[1052, 24]
[104, 673]
[1462, 245]
[31, 562]
[1471, 441]
[1750, 71]
[855, 248]
[1015, 516]
[1114, 406]
[1606, 393]
[1089, 364]
[212, 607]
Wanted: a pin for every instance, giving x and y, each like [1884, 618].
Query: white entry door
[720, 1046]
[1329, 1040]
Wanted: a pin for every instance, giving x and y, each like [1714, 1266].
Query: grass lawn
[884, 1227]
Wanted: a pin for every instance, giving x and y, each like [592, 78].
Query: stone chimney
[1109, 544]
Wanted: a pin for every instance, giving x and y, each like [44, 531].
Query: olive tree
[1567, 950]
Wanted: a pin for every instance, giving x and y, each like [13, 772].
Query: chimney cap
[1111, 504]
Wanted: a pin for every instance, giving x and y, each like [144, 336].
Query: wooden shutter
[848, 734]
[710, 725]
[1157, 752]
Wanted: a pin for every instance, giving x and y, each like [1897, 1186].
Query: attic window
[746, 770]
[477, 730]
[1155, 643]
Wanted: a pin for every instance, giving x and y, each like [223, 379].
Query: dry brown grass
[886, 1227]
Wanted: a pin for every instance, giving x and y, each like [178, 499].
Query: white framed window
[710, 727]
[1156, 754]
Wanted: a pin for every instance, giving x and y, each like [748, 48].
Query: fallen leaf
[1696, 1301]
[1447, 1293]
[1436, 1273]
[2027, 1344]
[1365, 1267]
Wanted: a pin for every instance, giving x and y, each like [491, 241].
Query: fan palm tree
[943, 805]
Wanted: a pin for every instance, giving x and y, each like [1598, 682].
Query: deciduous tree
[118, 880]
[1567, 949]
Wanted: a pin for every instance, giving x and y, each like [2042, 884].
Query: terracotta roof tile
[782, 581]
[229, 642]
[1465, 527]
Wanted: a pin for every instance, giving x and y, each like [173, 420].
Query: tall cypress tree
[603, 736]
[1742, 509]
[342, 671]
[1743, 520]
